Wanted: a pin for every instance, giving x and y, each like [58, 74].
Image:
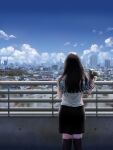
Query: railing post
[52, 101]
[97, 108]
[96, 102]
[8, 100]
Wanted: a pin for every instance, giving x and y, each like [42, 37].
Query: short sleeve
[87, 86]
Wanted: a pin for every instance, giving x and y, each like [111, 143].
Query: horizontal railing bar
[50, 101]
[50, 109]
[103, 92]
[13, 113]
[26, 92]
[28, 109]
[99, 113]
[21, 100]
[104, 82]
[98, 99]
[99, 109]
[28, 82]
[32, 100]
[55, 112]
[47, 92]
[48, 113]
[46, 82]
[29, 101]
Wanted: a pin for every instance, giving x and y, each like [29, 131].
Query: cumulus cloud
[7, 51]
[57, 57]
[85, 52]
[102, 56]
[51, 58]
[28, 55]
[44, 57]
[93, 49]
[109, 42]
[5, 36]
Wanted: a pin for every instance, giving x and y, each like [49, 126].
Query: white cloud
[104, 55]
[109, 42]
[57, 57]
[12, 36]
[94, 48]
[67, 43]
[44, 57]
[5, 36]
[6, 51]
[85, 52]
[28, 55]
[72, 52]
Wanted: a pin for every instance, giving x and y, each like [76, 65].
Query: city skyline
[40, 31]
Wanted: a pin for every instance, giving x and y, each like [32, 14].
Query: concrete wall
[41, 133]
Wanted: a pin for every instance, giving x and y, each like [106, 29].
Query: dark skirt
[72, 120]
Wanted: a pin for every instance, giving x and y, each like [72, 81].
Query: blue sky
[57, 26]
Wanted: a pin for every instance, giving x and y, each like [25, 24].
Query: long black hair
[73, 73]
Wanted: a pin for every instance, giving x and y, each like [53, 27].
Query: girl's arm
[88, 86]
[59, 89]
[59, 93]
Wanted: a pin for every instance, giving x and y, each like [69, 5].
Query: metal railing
[32, 98]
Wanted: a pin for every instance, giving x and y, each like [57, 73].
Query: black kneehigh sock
[77, 143]
[66, 144]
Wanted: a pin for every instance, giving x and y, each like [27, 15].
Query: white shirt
[73, 99]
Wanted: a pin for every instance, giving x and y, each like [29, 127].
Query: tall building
[85, 62]
[93, 61]
[5, 62]
[107, 63]
[111, 62]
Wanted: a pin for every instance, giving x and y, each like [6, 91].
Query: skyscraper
[107, 63]
[93, 61]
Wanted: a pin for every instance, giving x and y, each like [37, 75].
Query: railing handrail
[51, 110]
[46, 82]
[28, 82]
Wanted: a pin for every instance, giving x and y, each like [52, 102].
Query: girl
[71, 86]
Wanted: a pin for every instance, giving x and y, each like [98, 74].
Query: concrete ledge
[41, 133]
[99, 133]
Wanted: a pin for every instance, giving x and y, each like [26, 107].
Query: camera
[93, 73]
